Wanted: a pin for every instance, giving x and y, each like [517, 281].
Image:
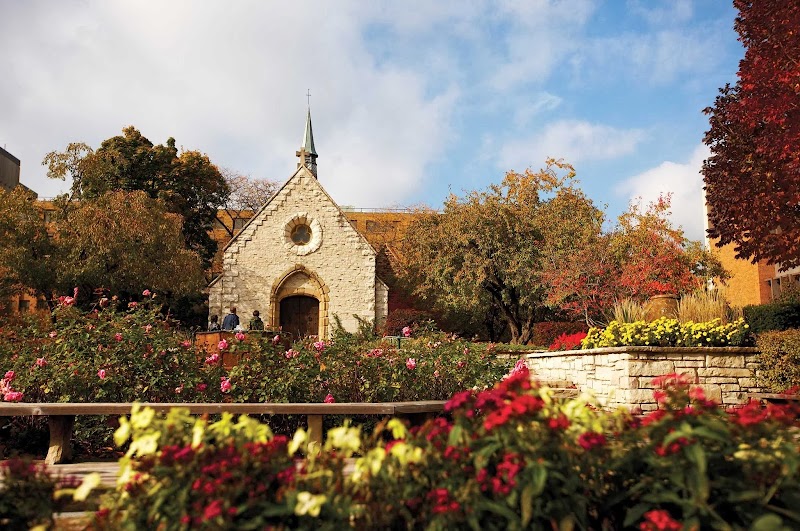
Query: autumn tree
[26, 251]
[124, 242]
[655, 257]
[186, 182]
[484, 251]
[752, 177]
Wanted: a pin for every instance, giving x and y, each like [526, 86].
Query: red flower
[560, 422]
[213, 510]
[659, 520]
[591, 439]
[458, 400]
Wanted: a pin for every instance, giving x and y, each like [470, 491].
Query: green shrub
[779, 360]
[29, 495]
[666, 332]
[776, 316]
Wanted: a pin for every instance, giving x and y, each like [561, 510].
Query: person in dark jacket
[213, 326]
[256, 323]
[231, 320]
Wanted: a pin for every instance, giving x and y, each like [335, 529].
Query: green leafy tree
[187, 183]
[25, 249]
[124, 242]
[485, 251]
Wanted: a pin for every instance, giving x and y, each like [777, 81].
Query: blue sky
[410, 99]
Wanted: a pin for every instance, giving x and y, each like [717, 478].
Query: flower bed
[511, 457]
[137, 355]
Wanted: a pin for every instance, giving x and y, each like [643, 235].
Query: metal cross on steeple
[308, 96]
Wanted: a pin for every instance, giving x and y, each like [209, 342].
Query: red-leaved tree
[753, 174]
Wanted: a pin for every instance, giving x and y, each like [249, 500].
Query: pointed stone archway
[299, 303]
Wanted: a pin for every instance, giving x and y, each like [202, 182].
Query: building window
[24, 306]
[239, 223]
[301, 234]
[48, 216]
[218, 224]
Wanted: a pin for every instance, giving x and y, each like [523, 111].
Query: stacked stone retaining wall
[622, 376]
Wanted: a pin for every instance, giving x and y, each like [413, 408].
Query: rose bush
[135, 354]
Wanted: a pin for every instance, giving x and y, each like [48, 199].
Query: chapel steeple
[307, 153]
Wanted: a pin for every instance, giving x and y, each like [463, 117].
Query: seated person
[213, 326]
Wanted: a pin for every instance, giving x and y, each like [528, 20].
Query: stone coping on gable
[639, 349]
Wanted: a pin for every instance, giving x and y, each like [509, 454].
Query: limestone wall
[262, 264]
[622, 376]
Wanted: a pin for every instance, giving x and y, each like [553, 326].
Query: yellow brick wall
[748, 282]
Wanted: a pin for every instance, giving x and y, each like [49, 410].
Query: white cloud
[665, 12]
[226, 78]
[655, 58]
[573, 140]
[683, 180]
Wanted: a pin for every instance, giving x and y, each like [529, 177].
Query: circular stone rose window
[302, 234]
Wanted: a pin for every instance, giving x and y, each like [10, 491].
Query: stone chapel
[300, 262]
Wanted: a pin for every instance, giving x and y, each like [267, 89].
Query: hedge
[776, 316]
[779, 359]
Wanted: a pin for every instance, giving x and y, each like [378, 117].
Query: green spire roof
[308, 137]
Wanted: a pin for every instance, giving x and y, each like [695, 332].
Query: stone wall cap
[717, 351]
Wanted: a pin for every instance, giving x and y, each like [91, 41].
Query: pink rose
[240, 336]
[202, 387]
[186, 344]
[329, 399]
[222, 345]
[66, 301]
[411, 364]
[179, 389]
[41, 362]
[12, 396]
[276, 340]
[406, 331]
[291, 354]
[118, 336]
[53, 333]
[146, 293]
[147, 328]
[319, 345]
[214, 358]
[9, 376]
[461, 364]
[436, 373]
[224, 384]
[133, 304]
[101, 374]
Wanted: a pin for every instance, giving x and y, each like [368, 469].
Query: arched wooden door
[299, 315]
